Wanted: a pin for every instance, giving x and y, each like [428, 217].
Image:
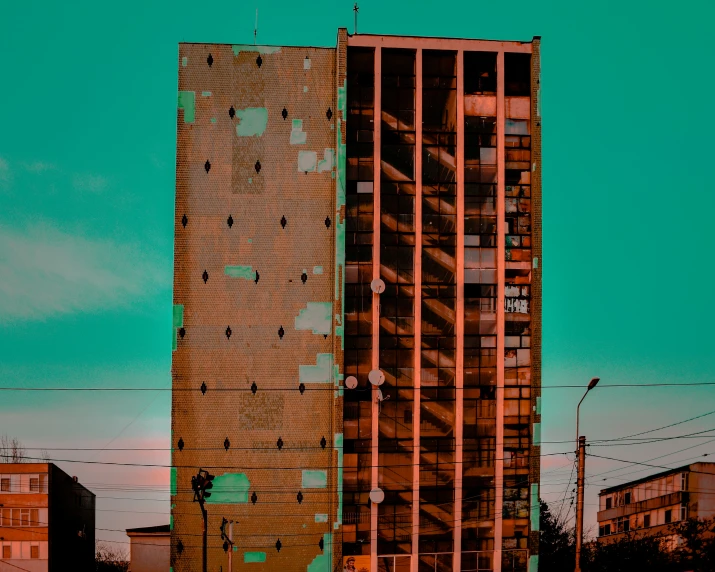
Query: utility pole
[579, 499]
[581, 452]
[201, 484]
[227, 540]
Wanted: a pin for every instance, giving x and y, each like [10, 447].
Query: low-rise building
[652, 504]
[46, 520]
[149, 548]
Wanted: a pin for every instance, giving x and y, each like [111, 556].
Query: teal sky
[87, 160]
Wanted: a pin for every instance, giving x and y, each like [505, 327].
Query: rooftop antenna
[356, 9]
[255, 29]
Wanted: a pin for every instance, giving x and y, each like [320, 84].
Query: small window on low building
[34, 551]
[34, 517]
[34, 484]
[646, 520]
[7, 551]
[668, 516]
[5, 485]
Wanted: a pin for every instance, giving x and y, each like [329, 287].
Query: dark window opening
[517, 74]
[480, 73]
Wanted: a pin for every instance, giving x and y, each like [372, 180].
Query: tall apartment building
[358, 304]
[653, 504]
[46, 520]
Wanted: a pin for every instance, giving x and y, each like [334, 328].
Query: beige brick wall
[255, 312]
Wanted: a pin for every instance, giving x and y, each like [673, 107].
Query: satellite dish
[377, 286]
[376, 377]
[377, 495]
[351, 382]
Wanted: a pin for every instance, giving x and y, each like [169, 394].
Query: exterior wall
[444, 206]
[149, 552]
[642, 505]
[72, 511]
[258, 304]
[64, 508]
[15, 535]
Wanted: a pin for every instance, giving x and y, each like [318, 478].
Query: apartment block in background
[149, 548]
[46, 519]
[358, 304]
[652, 504]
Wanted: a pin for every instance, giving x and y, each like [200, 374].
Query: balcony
[672, 499]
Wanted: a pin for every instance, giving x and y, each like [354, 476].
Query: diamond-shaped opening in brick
[228, 332]
[299, 497]
[284, 222]
[182, 333]
[207, 165]
[301, 388]
[203, 388]
[327, 222]
[205, 276]
[304, 278]
[229, 221]
[329, 114]
[278, 545]
[231, 112]
[254, 498]
[323, 442]
[257, 166]
[181, 444]
[284, 114]
[321, 544]
[254, 388]
[179, 546]
[279, 443]
[281, 332]
[210, 60]
[258, 277]
[184, 221]
[259, 61]
[226, 443]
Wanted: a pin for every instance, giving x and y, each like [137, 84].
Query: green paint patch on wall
[206, 94]
[172, 486]
[254, 557]
[317, 269]
[307, 160]
[321, 518]
[537, 433]
[245, 272]
[316, 316]
[297, 135]
[230, 488]
[178, 315]
[238, 48]
[253, 121]
[184, 61]
[338, 444]
[187, 102]
[171, 522]
[323, 562]
[538, 405]
[327, 162]
[315, 479]
[319, 373]
[534, 563]
[535, 507]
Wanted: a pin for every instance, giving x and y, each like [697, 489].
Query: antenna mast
[255, 29]
[356, 9]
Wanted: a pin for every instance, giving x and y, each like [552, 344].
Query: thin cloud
[4, 171]
[90, 182]
[45, 272]
[38, 167]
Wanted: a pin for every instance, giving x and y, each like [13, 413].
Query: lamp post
[581, 452]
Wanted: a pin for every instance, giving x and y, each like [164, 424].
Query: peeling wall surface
[257, 321]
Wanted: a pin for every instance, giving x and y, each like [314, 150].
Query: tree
[696, 550]
[11, 450]
[557, 550]
[632, 552]
[110, 558]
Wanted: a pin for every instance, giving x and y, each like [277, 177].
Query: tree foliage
[110, 558]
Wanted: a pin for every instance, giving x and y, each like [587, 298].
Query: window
[627, 499]
[7, 551]
[5, 519]
[646, 520]
[683, 512]
[668, 516]
[609, 501]
[35, 484]
[607, 529]
[5, 485]
[34, 517]
[25, 517]
[34, 551]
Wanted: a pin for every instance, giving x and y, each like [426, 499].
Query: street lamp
[581, 452]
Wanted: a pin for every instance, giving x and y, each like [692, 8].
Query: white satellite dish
[351, 382]
[377, 286]
[377, 495]
[376, 377]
